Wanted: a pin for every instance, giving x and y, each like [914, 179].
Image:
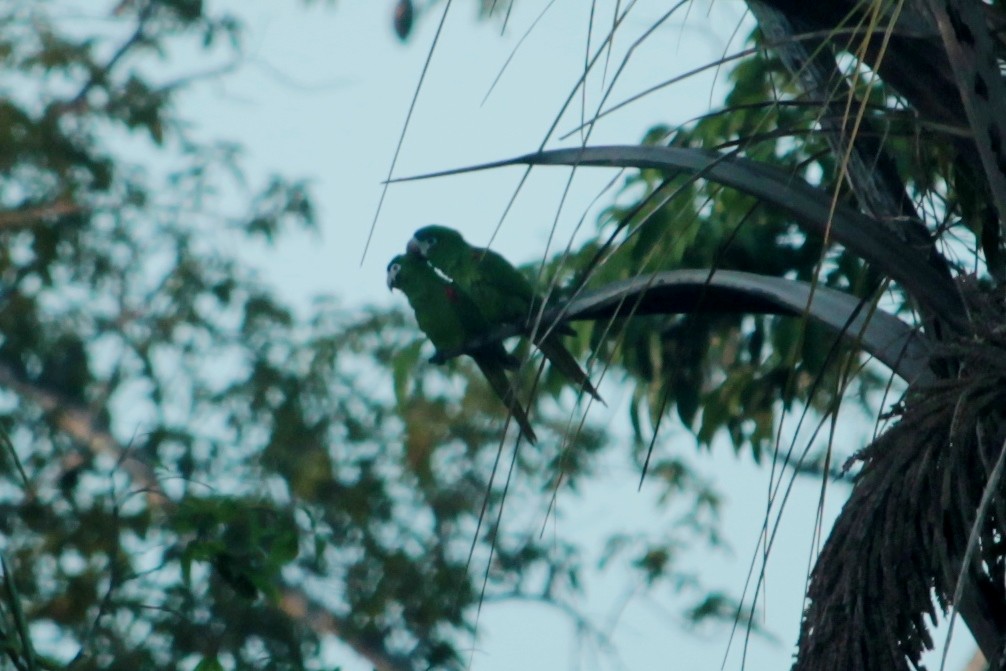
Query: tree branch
[102, 73]
[299, 606]
[80, 424]
[59, 208]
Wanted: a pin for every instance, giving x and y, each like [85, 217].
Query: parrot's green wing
[500, 291]
[445, 313]
[508, 296]
[450, 319]
[474, 323]
[505, 295]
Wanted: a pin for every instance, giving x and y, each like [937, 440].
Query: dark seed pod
[404, 16]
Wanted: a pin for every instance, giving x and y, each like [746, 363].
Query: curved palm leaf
[893, 342]
[811, 208]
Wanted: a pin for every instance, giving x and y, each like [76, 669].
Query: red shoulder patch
[451, 292]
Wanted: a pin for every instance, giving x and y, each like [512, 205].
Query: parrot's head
[406, 271]
[439, 244]
[394, 271]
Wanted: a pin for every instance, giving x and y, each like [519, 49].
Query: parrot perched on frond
[449, 318]
[500, 291]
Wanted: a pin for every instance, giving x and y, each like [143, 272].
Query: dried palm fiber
[895, 552]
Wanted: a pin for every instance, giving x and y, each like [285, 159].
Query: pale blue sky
[323, 95]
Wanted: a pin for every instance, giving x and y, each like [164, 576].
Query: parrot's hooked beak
[415, 247]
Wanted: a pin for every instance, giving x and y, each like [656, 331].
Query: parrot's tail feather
[511, 362]
[498, 354]
[561, 358]
[500, 384]
[564, 329]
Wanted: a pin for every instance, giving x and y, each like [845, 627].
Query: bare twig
[33, 215]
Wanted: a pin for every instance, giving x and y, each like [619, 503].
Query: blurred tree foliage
[192, 475]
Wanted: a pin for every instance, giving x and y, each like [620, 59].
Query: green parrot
[449, 318]
[501, 291]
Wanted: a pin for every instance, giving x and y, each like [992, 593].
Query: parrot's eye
[431, 240]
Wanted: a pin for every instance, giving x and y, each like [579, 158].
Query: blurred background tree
[292, 479]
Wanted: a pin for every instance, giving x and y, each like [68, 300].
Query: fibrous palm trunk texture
[927, 506]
